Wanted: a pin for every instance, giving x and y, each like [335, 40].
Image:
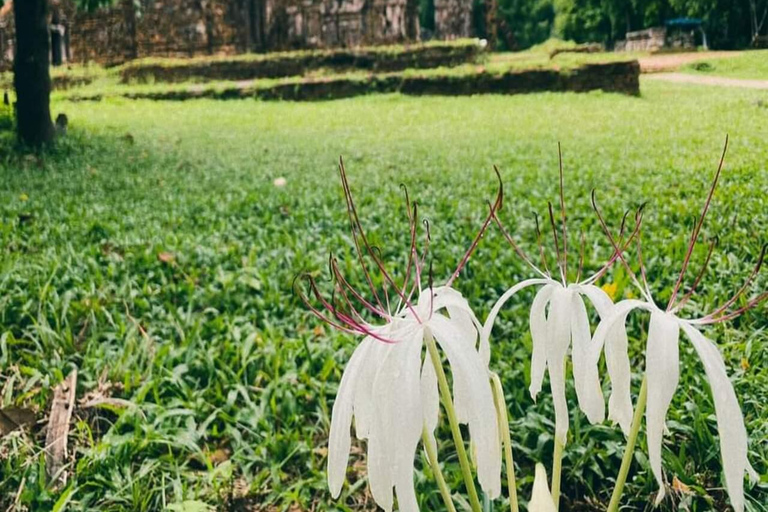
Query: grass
[152, 251]
[749, 64]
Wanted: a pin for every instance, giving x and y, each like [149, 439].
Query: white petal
[341, 419]
[485, 349]
[559, 338]
[541, 499]
[597, 296]
[611, 333]
[395, 434]
[467, 366]
[663, 372]
[585, 376]
[365, 407]
[539, 334]
[730, 421]
[430, 398]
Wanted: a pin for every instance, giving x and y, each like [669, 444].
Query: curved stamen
[618, 252]
[557, 243]
[624, 245]
[697, 229]
[344, 284]
[581, 255]
[562, 211]
[517, 248]
[541, 246]
[751, 304]
[744, 287]
[412, 253]
[367, 245]
[643, 274]
[496, 206]
[696, 281]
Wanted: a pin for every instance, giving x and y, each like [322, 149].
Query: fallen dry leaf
[166, 257]
[58, 429]
[12, 418]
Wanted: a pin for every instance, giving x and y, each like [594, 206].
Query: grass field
[750, 64]
[152, 251]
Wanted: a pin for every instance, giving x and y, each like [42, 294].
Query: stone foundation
[616, 77]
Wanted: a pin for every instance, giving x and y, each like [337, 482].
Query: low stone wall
[280, 65]
[617, 77]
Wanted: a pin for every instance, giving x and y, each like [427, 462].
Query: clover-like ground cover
[153, 251]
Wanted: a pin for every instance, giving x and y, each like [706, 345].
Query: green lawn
[750, 64]
[152, 251]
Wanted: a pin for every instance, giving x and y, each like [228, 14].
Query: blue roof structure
[683, 22]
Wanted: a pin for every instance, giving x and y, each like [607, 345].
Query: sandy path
[682, 78]
[673, 61]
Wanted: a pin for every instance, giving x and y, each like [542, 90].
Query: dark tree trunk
[412, 20]
[31, 77]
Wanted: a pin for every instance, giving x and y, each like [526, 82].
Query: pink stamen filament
[697, 229]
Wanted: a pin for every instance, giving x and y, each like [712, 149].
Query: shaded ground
[673, 61]
[683, 78]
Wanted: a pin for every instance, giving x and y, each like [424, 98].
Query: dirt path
[682, 78]
[673, 61]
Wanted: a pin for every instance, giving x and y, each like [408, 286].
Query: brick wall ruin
[182, 28]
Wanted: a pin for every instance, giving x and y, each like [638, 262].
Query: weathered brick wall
[453, 18]
[105, 35]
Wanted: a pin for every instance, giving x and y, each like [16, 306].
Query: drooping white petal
[485, 348]
[430, 398]
[539, 337]
[364, 404]
[559, 338]
[730, 421]
[585, 375]
[410, 424]
[663, 372]
[541, 499]
[467, 366]
[611, 333]
[341, 418]
[399, 418]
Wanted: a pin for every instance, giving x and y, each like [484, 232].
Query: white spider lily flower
[558, 322]
[541, 499]
[662, 363]
[388, 387]
[662, 368]
[392, 394]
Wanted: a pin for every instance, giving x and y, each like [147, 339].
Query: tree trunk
[31, 76]
[412, 20]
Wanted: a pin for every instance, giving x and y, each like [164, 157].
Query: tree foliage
[728, 23]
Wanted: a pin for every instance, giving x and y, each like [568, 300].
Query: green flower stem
[557, 467]
[445, 392]
[431, 450]
[626, 462]
[501, 411]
